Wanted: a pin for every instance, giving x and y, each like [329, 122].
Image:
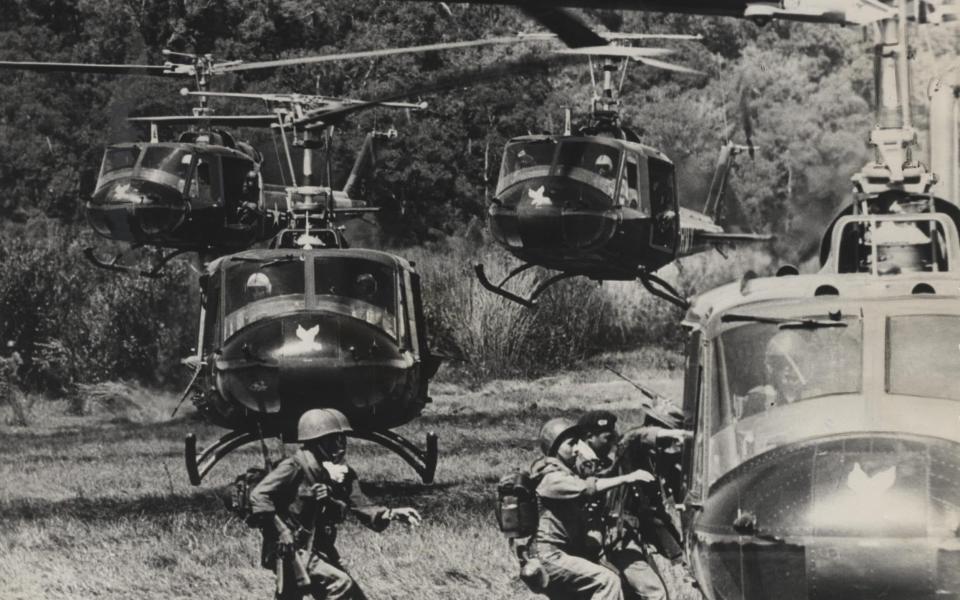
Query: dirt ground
[100, 507]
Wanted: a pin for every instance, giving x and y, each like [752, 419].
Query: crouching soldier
[637, 515]
[305, 497]
[562, 543]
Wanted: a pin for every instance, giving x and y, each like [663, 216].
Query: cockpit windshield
[118, 158]
[358, 287]
[768, 366]
[258, 288]
[526, 155]
[174, 161]
[779, 381]
[924, 356]
[597, 160]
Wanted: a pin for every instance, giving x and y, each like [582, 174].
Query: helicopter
[599, 203]
[203, 192]
[309, 321]
[824, 406]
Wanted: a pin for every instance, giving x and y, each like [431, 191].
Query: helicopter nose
[544, 213]
[133, 210]
[311, 359]
[854, 516]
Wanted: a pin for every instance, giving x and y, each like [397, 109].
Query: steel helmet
[555, 431]
[259, 280]
[318, 422]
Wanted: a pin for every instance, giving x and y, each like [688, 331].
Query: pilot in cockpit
[786, 365]
[603, 166]
[258, 287]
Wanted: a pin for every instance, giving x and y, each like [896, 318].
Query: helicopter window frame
[510, 175]
[409, 313]
[214, 320]
[729, 415]
[585, 169]
[891, 383]
[153, 171]
[346, 303]
[215, 183]
[630, 184]
[105, 176]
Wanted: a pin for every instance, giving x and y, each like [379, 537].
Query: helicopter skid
[424, 462]
[114, 263]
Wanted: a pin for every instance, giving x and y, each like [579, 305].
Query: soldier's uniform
[636, 514]
[301, 502]
[285, 491]
[561, 542]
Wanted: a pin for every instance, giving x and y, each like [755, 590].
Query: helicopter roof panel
[274, 253]
[706, 309]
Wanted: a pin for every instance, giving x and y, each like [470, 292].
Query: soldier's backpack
[237, 500]
[516, 506]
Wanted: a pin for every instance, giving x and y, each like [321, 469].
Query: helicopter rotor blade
[272, 64]
[224, 120]
[522, 66]
[570, 29]
[617, 51]
[150, 70]
[659, 64]
[306, 99]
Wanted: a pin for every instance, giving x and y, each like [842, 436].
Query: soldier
[624, 547]
[561, 543]
[305, 497]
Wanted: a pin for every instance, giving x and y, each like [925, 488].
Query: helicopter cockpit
[607, 165]
[255, 288]
[765, 370]
[595, 162]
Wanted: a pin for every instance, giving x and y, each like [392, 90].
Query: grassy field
[100, 506]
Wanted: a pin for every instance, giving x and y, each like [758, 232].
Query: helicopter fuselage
[594, 206]
[826, 455]
[186, 196]
[289, 330]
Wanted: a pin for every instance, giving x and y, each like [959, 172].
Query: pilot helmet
[259, 282]
[365, 286]
[784, 359]
[603, 163]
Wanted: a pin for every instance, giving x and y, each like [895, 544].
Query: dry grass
[99, 506]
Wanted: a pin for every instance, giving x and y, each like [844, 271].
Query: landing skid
[424, 462]
[115, 265]
[655, 285]
[499, 290]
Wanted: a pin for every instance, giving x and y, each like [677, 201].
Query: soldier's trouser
[640, 581]
[574, 578]
[328, 581]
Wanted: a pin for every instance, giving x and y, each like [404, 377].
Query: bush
[73, 323]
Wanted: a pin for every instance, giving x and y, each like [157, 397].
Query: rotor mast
[894, 137]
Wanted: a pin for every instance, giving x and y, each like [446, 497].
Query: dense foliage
[808, 90]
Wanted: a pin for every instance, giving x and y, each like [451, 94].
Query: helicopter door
[205, 185]
[629, 187]
[239, 187]
[210, 301]
[410, 315]
[694, 451]
[663, 205]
